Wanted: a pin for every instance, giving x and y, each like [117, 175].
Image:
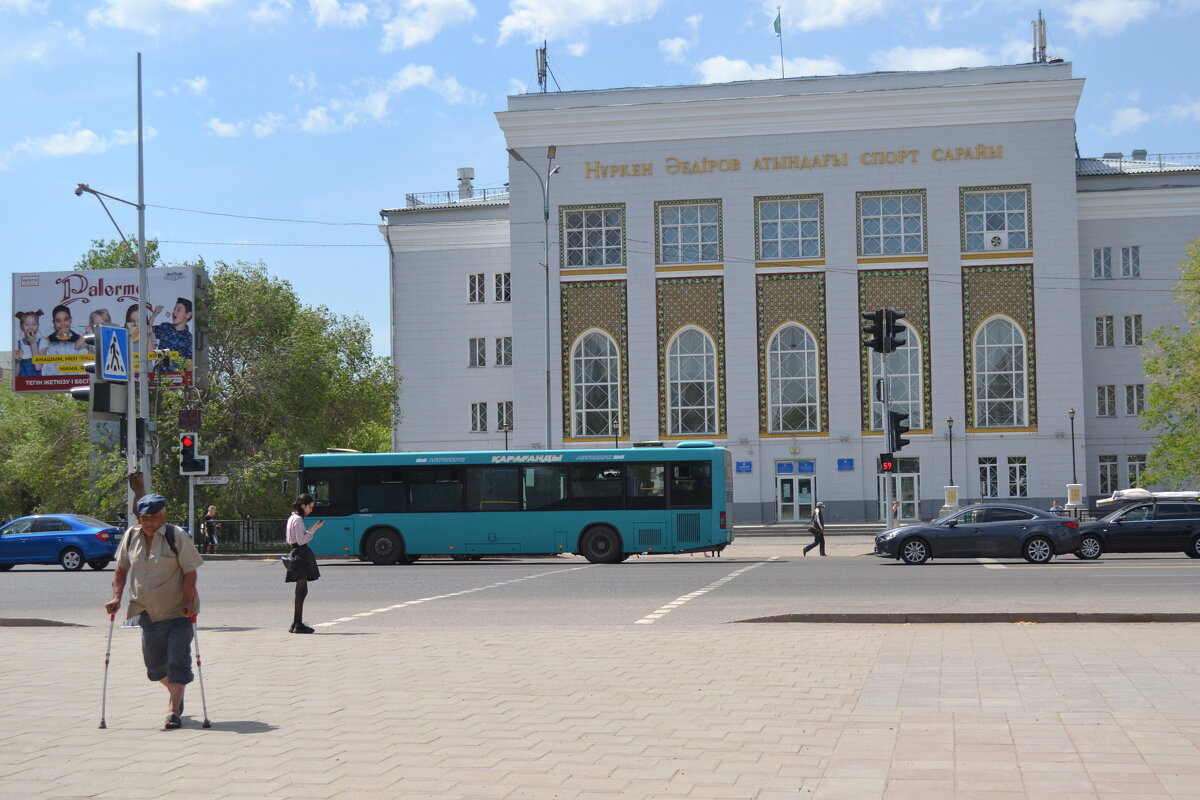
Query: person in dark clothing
[817, 528]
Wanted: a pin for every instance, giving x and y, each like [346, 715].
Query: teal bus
[603, 504]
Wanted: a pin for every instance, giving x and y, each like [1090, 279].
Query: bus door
[690, 500]
[646, 493]
[334, 490]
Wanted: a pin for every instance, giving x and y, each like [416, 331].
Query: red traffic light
[187, 441]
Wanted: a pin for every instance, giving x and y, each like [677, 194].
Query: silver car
[982, 531]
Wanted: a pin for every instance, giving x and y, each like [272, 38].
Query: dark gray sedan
[982, 531]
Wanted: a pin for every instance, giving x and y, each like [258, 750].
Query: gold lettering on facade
[802, 162]
[978, 152]
[676, 166]
[877, 157]
[597, 169]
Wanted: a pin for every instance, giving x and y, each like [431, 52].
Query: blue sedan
[71, 540]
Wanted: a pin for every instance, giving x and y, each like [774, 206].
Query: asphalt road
[756, 579]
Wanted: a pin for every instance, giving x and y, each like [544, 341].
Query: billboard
[53, 310]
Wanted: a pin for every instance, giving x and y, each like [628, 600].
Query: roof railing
[1137, 162]
[455, 196]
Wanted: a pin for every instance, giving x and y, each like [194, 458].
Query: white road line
[420, 600]
[655, 616]
[991, 563]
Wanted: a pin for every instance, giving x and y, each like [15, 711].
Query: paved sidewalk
[745, 711]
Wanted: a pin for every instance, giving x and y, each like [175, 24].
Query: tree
[1172, 368]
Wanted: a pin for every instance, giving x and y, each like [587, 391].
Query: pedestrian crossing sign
[113, 354]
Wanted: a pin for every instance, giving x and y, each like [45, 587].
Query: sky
[276, 130]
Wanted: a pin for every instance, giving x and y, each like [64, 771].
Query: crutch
[104, 692]
[200, 671]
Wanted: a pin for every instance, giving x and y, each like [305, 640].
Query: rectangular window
[475, 290]
[504, 415]
[593, 237]
[996, 219]
[436, 489]
[477, 352]
[1133, 330]
[891, 224]
[1135, 399]
[691, 485]
[493, 488]
[503, 351]
[1131, 262]
[1108, 474]
[596, 487]
[1102, 263]
[503, 286]
[989, 478]
[689, 233]
[1018, 476]
[645, 486]
[1106, 401]
[789, 227]
[1105, 334]
[1134, 467]
[478, 417]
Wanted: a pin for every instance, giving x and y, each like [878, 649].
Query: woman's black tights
[301, 593]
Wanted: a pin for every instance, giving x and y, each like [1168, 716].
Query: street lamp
[545, 187]
[1071, 414]
[950, 434]
[506, 429]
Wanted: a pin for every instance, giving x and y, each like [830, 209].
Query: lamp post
[506, 429]
[545, 187]
[950, 435]
[1074, 476]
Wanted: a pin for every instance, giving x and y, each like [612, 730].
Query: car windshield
[89, 521]
[946, 518]
[1136, 513]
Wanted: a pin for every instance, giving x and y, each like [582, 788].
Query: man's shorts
[167, 649]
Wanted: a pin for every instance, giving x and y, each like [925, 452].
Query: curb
[1032, 617]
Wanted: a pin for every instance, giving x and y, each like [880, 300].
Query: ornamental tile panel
[791, 297]
[690, 301]
[999, 289]
[587, 305]
[905, 290]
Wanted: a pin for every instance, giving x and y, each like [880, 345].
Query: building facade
[693, 263]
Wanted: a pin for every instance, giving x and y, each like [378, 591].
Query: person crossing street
[816, 527]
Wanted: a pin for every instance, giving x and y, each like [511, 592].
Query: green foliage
[284, 379]
[1173, 393]
[115, 254]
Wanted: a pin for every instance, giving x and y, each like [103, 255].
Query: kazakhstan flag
[778, 20]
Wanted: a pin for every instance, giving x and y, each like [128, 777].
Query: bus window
[645, 486]
[382, 490]
[544, 488]
[596, 487]
[493, 488]
[436, 489]
[691, 485]
[333, 489]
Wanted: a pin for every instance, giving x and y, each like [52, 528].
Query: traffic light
[874, 330]
[894, 330]
[896, 430]
[105, 400]
[190, 463]
[887, 462]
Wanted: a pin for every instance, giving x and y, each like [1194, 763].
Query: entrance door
[906, 487]
[793, 498]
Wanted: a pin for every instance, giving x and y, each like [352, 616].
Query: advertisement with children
[53, 310]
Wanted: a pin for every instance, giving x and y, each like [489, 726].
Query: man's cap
[151, 504]
[819, 503]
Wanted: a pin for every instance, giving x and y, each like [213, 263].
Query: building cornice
[672, 120]
[467, 234]
[1183, 201]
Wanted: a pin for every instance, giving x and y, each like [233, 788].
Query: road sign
[211, 480]
[113, 354]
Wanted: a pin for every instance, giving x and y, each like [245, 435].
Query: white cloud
[76, 141]
[425, 76]
[269, 11]
[1107, 17]
[564, 19]
[1187, 111]
[305, 83]
[421, 20]
[225, 130]
[933, 18]
[517, 87]
[336, 13]
[674, 49]
[693, 22]
[317, 120]
[811, 15]
[1125, 120]
[149, 16]
[267, 124]
[904, 59]
[24, 6]
[198, 84]
[720, 69]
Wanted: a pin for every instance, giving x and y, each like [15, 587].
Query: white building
[712, 248]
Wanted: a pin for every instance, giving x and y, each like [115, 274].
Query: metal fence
[456, 196]
[248, 535]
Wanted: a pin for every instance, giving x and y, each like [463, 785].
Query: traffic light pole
[889, 517]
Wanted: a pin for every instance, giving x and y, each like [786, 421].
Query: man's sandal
[173, 722]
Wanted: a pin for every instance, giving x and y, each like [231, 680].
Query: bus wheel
[383, 547]
[600, 545]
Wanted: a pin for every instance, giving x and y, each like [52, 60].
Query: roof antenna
[1039, 39]
[540, 55]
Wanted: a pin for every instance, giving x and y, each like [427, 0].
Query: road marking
[991, 563]
[420, 600]
[651, 618]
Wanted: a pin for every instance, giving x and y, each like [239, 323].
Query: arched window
[1000, 391]
[595, 385]
[691, 384]
[793, 381]
[904, 383]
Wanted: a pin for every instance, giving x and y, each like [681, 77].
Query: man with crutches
[160, 562]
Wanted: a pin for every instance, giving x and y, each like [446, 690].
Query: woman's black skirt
[304, 565]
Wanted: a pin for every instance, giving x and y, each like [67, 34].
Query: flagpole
[779, 33]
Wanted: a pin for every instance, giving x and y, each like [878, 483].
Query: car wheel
[1090, 547]
[1194, 548]
[99, 563]
[914, 551]
[1038, 550]
[71, 559]
[600, 545]
[383, 547]
[6, 567]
